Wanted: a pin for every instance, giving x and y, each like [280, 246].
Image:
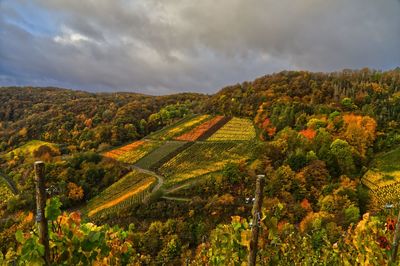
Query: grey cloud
[159, 47]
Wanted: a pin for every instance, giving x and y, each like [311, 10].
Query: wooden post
[40, 209]
[256, 220]
[395, 245]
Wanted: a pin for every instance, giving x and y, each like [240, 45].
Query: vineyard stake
[40, 210]
[395, 245]
[256, 220]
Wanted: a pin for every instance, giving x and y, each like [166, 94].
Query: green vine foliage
[321, 242]
[73, 242]
[366, 243]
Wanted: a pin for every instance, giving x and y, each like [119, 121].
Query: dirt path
[160, 183]
[176, 199]
[173, 189]
[159, 178]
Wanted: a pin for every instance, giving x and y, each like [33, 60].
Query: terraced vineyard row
[179, 128]
[235, 129]
[388, 194]
[133, 152]
[116, 153]
[199, 131]
[384, 178]
[130, 189]
[151, 160]
[202, 158]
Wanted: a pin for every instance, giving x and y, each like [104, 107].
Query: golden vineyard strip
[114, 154]
[118, 200]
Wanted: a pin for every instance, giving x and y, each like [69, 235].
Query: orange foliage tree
[308, 133]
[359, 132]
[268, 128]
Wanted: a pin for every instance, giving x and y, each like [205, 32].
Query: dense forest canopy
[85, 120]
[328, 144]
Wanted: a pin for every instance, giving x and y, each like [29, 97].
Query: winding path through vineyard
[160, 183]
[176, 199]
[159, 178]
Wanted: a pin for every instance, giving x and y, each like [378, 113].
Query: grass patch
[28, 148]
[151, 159]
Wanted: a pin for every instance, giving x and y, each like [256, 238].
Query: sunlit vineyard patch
[179, 128]
[235, 129]
[202, 158]
[384, 178]
[128, 191]
[133, 152]
[116, 153]
[200, 130]
[30, 147]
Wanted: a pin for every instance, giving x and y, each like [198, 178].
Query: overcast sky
[167, 46]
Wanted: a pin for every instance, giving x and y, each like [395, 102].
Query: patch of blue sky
[31, 18]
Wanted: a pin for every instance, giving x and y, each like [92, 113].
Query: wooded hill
[174, 172]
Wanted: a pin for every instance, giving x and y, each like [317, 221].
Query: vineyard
[202, 158]
[133, 152]
[384, 178]
[153, 158]
[128, 191]
[178, 128]
[116, 153]
[235, 129]
[199, 131]
[186, 157]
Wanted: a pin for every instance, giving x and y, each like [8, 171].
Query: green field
[179, 128]
[383, 179]
[235, 129]
[151, 159]
[28, 148]
[129, 190]
[202, 158]
[389, 162]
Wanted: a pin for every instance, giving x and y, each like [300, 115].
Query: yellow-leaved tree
[359, 132]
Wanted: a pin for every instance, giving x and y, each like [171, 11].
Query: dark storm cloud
[158, 46]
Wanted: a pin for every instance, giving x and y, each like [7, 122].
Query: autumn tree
[342, 151]
[75, 192]
[359, 132]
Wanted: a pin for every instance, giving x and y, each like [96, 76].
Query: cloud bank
[160, 47]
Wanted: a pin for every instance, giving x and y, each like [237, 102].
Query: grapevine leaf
[53, 208]
[20, 237]
[40, 249]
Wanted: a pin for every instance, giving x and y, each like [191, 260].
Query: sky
[169, 46]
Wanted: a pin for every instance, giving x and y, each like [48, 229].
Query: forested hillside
[142, 180]
[84, 120]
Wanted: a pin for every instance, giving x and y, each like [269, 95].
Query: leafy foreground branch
[73, 242]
